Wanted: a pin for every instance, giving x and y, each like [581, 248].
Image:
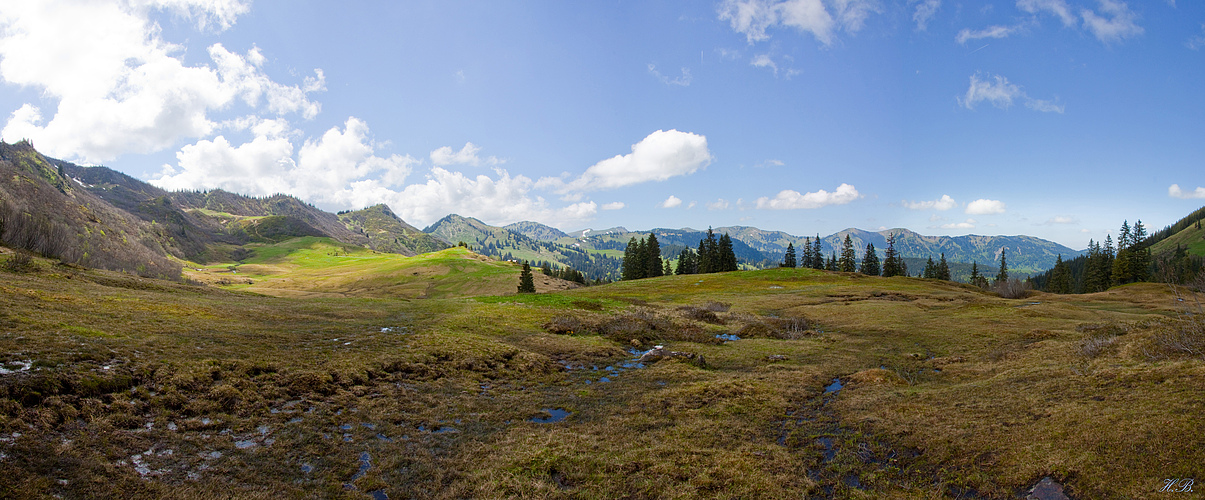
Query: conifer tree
[870, 261]
[527, 283]
[788, 260]
[976, 278]
[806, 261]
[630, 271]
[709, 250]
[891, 265]
[930, 270]
[687, 262]
[832, 262]
[1060, 277]
[652, 257]
[667, 271]
[546, 269]
[726, 254]
[849, 258]
[943, 269]
[817, 253]
[1002, 276]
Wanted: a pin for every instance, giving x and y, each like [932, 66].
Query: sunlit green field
[116, 386]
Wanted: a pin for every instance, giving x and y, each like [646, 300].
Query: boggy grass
[146, 389]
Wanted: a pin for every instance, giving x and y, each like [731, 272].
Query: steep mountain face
[536, 231]
[506, 244]
[43, 209]
[386, 232]
[326, 223]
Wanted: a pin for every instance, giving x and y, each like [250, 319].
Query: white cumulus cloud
[985, 207]
[788, 199]
[943, 203]
[660, 156]
[1175, 192]
[671, 202]
[118, 86]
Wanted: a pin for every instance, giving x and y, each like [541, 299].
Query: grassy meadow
[325, 377]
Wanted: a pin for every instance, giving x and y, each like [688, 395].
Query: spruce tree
[1060, 277]
[806, 261]
[1002, 276]
[1140, 256]
[890, 266]
[849, 258]
[667, 271]
[817, 253]
[870, 261]
[832, 262]
[976, 278]
[788, 260]
[652, 257]
[943, 269]
[930, 270]
[629, 260]
[727, 255]
[687, 262]
[527, 283]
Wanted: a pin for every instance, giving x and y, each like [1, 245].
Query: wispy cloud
[466, 156]
[1117, 23]
[1001, 93]
[680, 81]
[616, 205]
[968, 224]
[1061, 220]
[985, 207]
[943, 203]
[925, 10]
[720, 204]
[990, 32]
[764, 61]
[753, 18]
[1175, 192]
[1196, 42]
[788, 199]
[1058, 8]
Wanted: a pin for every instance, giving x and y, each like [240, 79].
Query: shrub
[20, 261]
[1012, 289]
[565, 325]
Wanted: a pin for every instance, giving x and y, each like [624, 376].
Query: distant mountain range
[121, 222]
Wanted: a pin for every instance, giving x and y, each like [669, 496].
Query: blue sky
[1053, 118]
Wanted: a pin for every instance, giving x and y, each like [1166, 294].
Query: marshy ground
[789, 384]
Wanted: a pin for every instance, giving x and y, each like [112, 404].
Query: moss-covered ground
[115, 386]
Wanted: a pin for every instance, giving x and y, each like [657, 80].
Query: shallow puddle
[727, 337]
[834, 387]
[554, 415]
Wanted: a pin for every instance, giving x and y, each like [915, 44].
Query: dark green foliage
[652, 257]
[788, 260]
[546, 268]
[1002, 275]
[727, 259]
[709, 250]
[930, 270]
[832, 264]
[977, 279]
[1060, 277]
[688, 262]
[817, 254]
[870, 262]
[943, 269]
[527, 283]
[849, 258]
[893, 262]
[806, 259]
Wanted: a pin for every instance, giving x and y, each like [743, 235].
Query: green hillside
[387, 232]
[323, 267]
